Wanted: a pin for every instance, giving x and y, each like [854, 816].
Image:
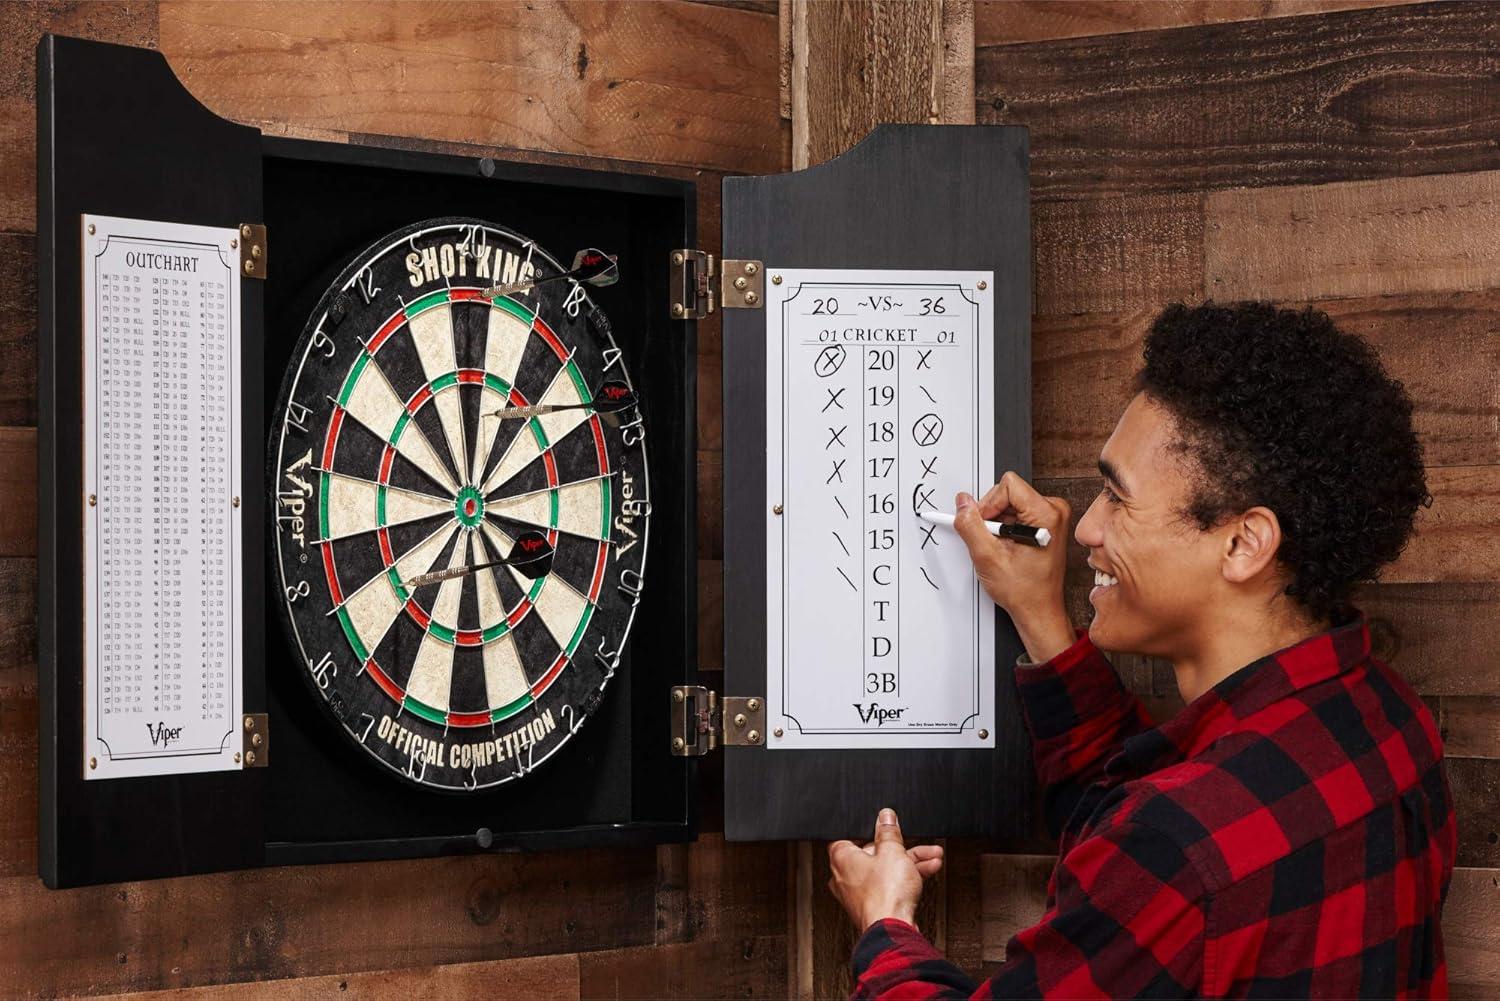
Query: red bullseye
[470, 507]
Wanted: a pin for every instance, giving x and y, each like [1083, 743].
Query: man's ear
[1251, 545]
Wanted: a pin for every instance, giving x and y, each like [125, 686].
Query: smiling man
[1290, 832]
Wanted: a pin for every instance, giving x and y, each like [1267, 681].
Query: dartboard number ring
[394, 458]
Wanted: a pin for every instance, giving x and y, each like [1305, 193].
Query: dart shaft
[535, 410]
[441, 575]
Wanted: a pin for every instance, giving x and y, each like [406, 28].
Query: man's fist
[884, 878]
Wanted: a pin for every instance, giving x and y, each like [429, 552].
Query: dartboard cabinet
[367, 517]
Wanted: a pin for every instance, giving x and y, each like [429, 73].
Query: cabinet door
[906, 198]
[117, 135]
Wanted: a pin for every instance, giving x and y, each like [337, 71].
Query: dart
[592, 266]
[611, 397]
[531, 556]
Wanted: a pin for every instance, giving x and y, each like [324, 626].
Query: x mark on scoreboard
[833, 398]
[836, 437]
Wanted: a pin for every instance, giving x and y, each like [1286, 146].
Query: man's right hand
[1025, 581]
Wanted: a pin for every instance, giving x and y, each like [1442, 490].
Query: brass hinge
[253, 250]
[697, 289]
[701, 721]
[257, 740]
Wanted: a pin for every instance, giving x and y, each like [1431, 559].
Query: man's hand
[884, 878]
[1025, 581]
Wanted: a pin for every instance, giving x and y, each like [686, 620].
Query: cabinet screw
[249, 757]
[753, 704]
[984, 734]
[677, 258]
[983, 285]
[677, 309]
[93, 500]
[740, 719]
[751, 298]
[776, 509]
[677, 744]
[775, 279]
[249, 722]
[91, 233]
[779, 732]
[93, 762]
[754, 736]
[677, 695]
[751, 267]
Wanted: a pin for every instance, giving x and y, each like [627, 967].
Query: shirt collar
[1244, 693]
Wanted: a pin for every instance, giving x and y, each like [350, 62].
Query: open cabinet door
[118, 137]
[912, 221]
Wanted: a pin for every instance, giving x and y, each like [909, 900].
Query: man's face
[1167, 571]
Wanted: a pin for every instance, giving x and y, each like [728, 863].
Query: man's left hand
[884, 878]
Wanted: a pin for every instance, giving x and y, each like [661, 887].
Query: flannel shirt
[1289, 834]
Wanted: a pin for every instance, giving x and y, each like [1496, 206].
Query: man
[1290, 832]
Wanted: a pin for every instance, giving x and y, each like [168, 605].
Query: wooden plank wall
[1310, 153]
[684, 89]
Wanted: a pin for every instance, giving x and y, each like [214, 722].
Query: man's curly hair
[1280, 408]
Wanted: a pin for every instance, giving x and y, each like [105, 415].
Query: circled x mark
[829, 360]
[927, 430]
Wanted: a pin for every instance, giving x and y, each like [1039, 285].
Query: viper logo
[531, 545]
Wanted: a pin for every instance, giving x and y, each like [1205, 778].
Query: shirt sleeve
[1125, 919]
[1079, 715]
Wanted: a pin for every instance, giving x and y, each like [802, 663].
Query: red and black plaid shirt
[1289, 834]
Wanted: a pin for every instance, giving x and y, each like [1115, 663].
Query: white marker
[1028, 535]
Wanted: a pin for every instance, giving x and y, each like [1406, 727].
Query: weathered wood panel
[605, 79]
[18, 493]
[754, 967]
[1398, 91]
[1013, 896]
[24, 23]
[1360, 238]
[1006, 22]
[856, 65]
[1443, 638]
[543, 978]
[19, 717]
[319, 920]
[1083, 366]
[1471, 938]
[1470, 725]
[18, 361]
[1476, 799]
[1115, 254]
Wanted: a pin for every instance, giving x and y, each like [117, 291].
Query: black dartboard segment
[391, 461]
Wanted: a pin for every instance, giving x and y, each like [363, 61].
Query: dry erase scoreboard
[368, 520]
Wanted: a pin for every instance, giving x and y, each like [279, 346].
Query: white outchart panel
[161, 609]
[879, 404]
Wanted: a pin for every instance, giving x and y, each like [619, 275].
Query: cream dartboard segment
[431, 438]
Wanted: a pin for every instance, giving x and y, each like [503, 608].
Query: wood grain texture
[711, 615]
[18, 493]
[1469, 725]
[858, 64]
[1471, 938]
[605, 79]
[710, 505]
[24, 24]
[1476, 799]
[1013, 896]
[1359, 238]
[1441, 637]
[19, 717]
[1083, 366]
[732, 968]
[956, 87]
[1006, 22]
[1393, 92]
[18, 360]
[1116, 253]
[543, 978]
[293, 922]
